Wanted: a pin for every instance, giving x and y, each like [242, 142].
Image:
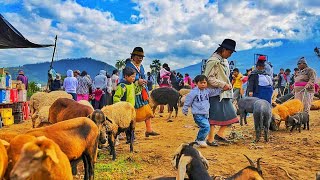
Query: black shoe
[152, 133]
[212, 143]
[221, 139]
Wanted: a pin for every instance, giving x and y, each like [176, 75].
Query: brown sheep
[64, 108]
[14, 150]
[282, 111]
[77, 138]
[3, 157]
[42, 159]
[41, 99]
[315, 105]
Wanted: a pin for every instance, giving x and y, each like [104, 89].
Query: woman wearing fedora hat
[222, 112]
[143, 110]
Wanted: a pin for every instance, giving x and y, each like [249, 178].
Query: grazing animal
[297, 120]
[64, 109]
[42, 159]
[77, 138]
[282, 111]
[262, 118]
[120, 117]
[251, 172]
[40, 99]
[315, 105]
[245, 106]
[284, 98]
[190, 161]
[3, 157]
[164, 96]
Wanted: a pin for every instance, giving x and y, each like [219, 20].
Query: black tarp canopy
[12, 38]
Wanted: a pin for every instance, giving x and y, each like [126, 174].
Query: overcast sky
[179, 32]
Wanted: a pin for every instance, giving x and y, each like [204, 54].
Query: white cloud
[176, 31]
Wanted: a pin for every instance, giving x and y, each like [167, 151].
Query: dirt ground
[297, 153]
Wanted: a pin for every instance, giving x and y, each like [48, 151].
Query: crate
[2, 96]
[26, 110]
[8, 96]
[7, 120]
[17, 107]
[22, 95]
[13, 95]
[2, 81]
[18, 117]
[6, 112]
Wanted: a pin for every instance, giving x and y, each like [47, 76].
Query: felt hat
[229, 44]
[138, 51]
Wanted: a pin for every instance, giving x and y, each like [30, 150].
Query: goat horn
[258, 164]
[250, 161]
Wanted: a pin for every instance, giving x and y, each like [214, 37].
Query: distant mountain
[284, 56]
[38, 72]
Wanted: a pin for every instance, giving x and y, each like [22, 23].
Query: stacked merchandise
[13, 94]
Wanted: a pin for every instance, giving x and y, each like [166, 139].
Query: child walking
[198, 99]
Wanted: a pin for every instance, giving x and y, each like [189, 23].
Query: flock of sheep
[68, 131]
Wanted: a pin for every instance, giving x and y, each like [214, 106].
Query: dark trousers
[74, 96]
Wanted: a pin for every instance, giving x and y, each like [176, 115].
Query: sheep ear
[5, 144]
[50, 152]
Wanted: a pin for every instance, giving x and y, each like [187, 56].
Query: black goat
[190, 161]
[164, 96]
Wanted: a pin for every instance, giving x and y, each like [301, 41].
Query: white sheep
[121, 117]
[41, 99]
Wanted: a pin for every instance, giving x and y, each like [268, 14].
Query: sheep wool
[287, 109]
[85, 102]
[315, 105]
[121, 113]
[183, 92]
[3, 158]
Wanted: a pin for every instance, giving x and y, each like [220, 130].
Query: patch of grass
[122, 168]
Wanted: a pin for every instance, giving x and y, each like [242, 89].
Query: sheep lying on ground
[120, 117]
[77, 138]
[283, 111]
[262, 118]
[249, 172]
[42, 159]
[315, 105]
[3, 157]
[40, 99]
[245, 106]
[190, 161]
[297, 120]
[164, 96]
[64, 108]
[43, 116]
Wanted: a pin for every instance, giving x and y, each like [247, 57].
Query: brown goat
[3, 157]
[42, 159]
[77, 138]
[64, 108]
[249, 172]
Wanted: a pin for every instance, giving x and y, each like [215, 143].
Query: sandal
[213, 143]
[221, 139]
[152, 133]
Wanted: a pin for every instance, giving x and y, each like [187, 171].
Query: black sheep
[164, 96]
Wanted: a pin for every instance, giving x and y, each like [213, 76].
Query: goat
[3, 157]
[190, 161]
[245, 106]
[42, 159]
[164, 96]
[262, 118]
[249, 172]
[77, 138]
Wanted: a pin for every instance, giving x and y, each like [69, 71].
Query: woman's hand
[227, 87]
[250, 94]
